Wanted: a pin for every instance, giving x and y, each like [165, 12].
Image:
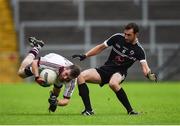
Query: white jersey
[55, 62]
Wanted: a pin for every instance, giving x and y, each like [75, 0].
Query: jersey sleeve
[69, 88]
[142, 56]
[114, 38]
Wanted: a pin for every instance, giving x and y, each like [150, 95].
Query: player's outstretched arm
[94, 51]
[147, 72]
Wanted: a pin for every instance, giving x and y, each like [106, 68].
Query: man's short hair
[133, 26]
[75, 71]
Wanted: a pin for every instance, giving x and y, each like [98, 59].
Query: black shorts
[106, 72]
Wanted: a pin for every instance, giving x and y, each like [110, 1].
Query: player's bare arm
[94, 51]
[60, 102]
[35, 71]
[147, 71]
[63, 102]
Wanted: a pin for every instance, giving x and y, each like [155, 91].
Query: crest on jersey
[131, 52]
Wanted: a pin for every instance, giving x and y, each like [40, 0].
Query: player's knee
[114, 86]
[21, 73]
[81, 78]
[113, 82]
[111, 85]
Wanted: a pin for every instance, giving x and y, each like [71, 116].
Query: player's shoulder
[118, 35]
[140, 48]
[114, 39]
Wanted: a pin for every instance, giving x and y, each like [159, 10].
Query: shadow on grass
[41, 114]
[62, 114]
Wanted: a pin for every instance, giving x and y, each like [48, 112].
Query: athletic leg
[90, 75]
[114, 84]
[26, 65]
[24, 70]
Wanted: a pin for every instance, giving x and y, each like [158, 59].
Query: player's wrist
[36, 77]
[84, 56]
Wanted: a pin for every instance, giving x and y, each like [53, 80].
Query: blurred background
[74, 26]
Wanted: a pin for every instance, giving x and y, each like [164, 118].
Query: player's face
[130, 36]
[65, 75]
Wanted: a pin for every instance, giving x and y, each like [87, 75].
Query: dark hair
[133, 26]
[75, 71]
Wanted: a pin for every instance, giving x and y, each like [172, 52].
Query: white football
[49, 76]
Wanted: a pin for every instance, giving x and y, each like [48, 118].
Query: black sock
[124, 99]
[84, 93]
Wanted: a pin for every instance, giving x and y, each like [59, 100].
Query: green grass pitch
[27, 104]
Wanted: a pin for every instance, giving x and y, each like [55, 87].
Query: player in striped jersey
[67, 72]
[125, 51]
